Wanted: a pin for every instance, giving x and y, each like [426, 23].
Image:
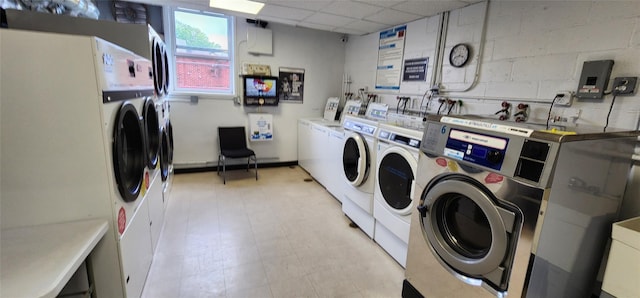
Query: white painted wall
[320, 53]
[532, 50]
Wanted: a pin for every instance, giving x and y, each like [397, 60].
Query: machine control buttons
[495, 156]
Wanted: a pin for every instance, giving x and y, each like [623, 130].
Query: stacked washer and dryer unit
[513, 210]
[140, 39]
[161, 81]
[75, 146]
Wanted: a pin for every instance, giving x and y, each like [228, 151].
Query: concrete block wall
[532, 50]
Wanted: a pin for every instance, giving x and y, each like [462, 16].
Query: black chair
[233, 144]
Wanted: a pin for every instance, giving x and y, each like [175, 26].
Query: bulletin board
[260, 127]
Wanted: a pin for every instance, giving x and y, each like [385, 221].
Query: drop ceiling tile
[428, 8]
[279, 20]
[351, 9]
[314, 5]
[349, 31]
[317, 26]
[392, 17]
[382, 3]
[284, 12]
[328, 19]
[367, 26]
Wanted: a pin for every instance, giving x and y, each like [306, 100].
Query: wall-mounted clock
[459, 55]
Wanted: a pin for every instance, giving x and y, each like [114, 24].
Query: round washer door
[463, 225]
[167, 76]
[169, 131]
[152, 132]
[164, 155]
[128, 152]
[355, 159]
[158, 67]
[396, 179]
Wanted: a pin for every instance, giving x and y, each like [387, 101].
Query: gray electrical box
[594, 79]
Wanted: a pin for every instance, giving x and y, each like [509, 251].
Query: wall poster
[291, 84]
[390, 54]
[415, 69]
[260, 127]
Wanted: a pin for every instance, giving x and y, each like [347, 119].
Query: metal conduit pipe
[476, 75]
[439, 52]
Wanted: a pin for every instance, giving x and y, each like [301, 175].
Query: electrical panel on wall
[594, 79]
[259, 41]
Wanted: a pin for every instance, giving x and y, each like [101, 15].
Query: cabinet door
[304, 131]
[136, 252]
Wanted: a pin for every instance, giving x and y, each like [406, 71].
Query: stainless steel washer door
[467, 229]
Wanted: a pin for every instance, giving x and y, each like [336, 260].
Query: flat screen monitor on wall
[260, 90]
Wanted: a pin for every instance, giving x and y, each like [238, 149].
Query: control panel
[480, 149]
[360, 127]
[399, 139]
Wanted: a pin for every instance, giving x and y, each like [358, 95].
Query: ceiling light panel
[244, 6]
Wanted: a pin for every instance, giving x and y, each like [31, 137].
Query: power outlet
[563, 98]
[624, 86]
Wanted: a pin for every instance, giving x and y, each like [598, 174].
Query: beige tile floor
[275, 237]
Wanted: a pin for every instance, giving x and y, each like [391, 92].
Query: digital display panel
[256, 86]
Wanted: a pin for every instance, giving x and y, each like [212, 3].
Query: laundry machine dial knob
[495, 156]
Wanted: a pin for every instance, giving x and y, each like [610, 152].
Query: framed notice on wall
[415, 69]
[260, 127]
[291, 84]
[390, 55]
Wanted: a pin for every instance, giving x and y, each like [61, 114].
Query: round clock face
[459, 55]
[261, 101]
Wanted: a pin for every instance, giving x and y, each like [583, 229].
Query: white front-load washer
[358, 170]
[76, 148]
[397, 162]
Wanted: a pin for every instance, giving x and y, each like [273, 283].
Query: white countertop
[38, 261]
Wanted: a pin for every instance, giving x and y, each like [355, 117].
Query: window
[203, 47]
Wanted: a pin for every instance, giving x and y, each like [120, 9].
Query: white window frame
[171, 53]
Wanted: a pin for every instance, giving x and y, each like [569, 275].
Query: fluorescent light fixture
[245, 6]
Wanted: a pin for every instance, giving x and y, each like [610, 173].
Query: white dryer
[160, 63]
[358, 170]
[397, 162]
[76, 148]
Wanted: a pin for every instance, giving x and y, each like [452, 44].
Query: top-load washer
[532, 218]
[358, 170]
[76, 148]
[397, 163]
